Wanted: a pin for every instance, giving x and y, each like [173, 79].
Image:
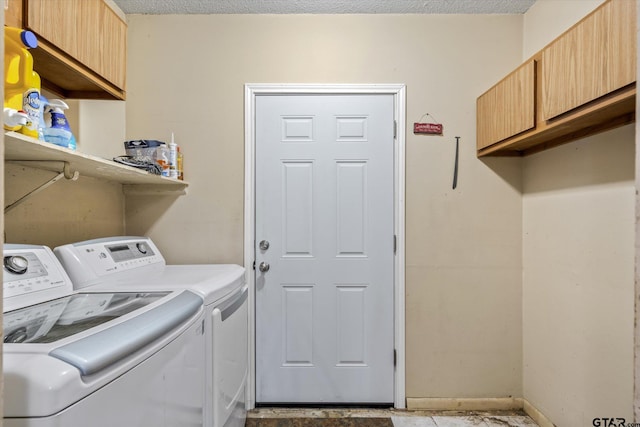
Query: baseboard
[464, 404]
[536, 415]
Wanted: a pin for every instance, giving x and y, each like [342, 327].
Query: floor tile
[484, 421]
[467, 421]
[510, 421]
[319, 422]
[404, 421]
[362, 417]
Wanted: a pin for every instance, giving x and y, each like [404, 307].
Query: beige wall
[547, 19]
[636, 349]
[186, 75]
[71, 211]
[578, 259]
[66, 212]
[476, 326]
[1, 237]
[98, 126]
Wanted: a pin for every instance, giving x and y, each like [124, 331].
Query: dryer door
[230, 360]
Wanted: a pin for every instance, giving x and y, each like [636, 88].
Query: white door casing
[338, 376]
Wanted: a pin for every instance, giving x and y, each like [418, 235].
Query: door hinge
[395, 243]
[395, 129]
[395, 357]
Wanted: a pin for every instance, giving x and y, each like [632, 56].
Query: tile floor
[294, 417]
[486, 420]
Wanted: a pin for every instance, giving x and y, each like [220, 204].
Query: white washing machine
[120, 263]
[100, 359]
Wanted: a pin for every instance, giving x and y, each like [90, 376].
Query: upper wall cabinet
[509, 107]
[584, 84]
[81, 49]
[592, 59]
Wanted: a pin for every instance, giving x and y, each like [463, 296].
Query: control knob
[16, 264]
[142, 247]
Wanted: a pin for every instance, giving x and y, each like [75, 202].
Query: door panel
[324, 202]
[297, 211]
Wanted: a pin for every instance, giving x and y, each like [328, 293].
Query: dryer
[120, 263]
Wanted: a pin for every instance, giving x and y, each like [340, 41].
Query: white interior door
[325, 204]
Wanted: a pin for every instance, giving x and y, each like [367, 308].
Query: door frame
[251, 91]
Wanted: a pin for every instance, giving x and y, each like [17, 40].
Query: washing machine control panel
[32, 274]
[130, 253]
[87, 262]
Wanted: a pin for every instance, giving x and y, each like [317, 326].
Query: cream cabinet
[81, 45]
[583, 83]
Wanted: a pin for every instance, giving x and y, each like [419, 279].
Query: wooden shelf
[25, 150]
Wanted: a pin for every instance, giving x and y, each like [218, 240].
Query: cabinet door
[13, 13]
[595, 57]
[89, 31]
[508, 108]
[56, 21]
[114, 47]
[88, 49]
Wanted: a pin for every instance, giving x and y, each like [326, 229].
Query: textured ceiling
[159, 7]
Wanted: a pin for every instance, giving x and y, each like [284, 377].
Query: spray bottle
[21, 83]
[59, 132]
[173, 158]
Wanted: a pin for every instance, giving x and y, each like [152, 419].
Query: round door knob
[264, 267]
[16, 264]
[264, 245]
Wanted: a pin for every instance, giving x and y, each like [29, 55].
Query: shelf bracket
[64, 173]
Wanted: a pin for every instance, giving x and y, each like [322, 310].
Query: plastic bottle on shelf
[180, 165]
[21, 83]
[43, 104]
[162, 158]
[59, 132]
[173, 158]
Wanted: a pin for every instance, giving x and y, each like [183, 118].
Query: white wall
[186, 75]
[578, 261]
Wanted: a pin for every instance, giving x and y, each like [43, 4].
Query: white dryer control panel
[32, 274]
[87, 262]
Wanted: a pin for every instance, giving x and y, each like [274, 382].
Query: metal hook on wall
[66, 170]
[455, 166]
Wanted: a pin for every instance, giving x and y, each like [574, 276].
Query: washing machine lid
[53, 321]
